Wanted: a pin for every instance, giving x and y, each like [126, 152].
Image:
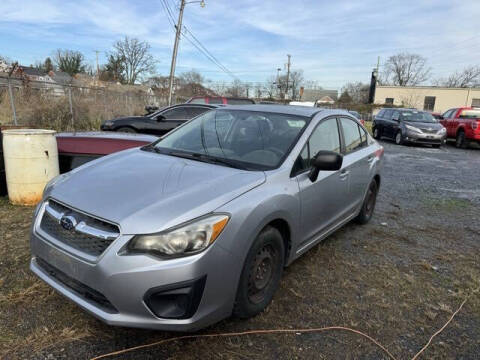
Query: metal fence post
[12, 102]
[71, 105]
[105, 103]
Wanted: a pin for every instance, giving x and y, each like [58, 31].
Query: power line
[195, 41]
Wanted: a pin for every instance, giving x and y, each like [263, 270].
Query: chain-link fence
[68, 107]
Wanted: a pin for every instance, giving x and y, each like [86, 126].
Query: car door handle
[344, 174]
[370, 158]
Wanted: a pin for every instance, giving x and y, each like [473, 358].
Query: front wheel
[376, 133]
[399, 138]
[261, 274]
[460, 141]
[368, 205]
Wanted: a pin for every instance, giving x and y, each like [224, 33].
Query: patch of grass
[447, 204]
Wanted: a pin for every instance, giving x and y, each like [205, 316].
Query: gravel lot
[398, 279]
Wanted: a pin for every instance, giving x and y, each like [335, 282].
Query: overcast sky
[332, 41]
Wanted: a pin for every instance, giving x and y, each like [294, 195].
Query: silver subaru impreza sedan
[199, 225]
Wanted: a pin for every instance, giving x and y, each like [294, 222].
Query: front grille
[432, 131]
[89, 244]
[77, 287]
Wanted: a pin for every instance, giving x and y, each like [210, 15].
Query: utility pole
[279, 90]
[175, 51]
[288, 75]
[378, 66]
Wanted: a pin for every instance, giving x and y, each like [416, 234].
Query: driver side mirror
[161, 118]
[325, 160]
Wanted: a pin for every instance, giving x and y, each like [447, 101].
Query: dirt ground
[398, 279]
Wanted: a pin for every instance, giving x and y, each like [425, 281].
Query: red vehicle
[219, 100]
[75, 149]
[463, 125]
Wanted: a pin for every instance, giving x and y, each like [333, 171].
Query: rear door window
[178, 113]
[351, 135]
[196, 110]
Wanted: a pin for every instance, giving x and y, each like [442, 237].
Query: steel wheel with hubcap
[399, 138]
[261, 273]
[376, 133]
[368, 205]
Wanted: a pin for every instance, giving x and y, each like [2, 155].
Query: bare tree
[69, 61]
[294, 82]
[191, 84]
[468, 77]
[135, 57]
[236, 89]
[405, 70]
[191, 77]
[271, 87]
[357, 91]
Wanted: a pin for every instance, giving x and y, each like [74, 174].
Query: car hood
[425, 125]
[146, 192]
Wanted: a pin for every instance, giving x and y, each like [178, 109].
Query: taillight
[474, 125]
[379, 152]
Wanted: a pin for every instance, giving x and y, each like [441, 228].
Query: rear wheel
[460, 141]
[376, 133]
[261, 274]
[126, 129]
[399, 138]
[368, 205]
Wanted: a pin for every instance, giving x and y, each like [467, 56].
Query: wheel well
[460, 130]
[125, 126]
[377, 179]
[282, 226]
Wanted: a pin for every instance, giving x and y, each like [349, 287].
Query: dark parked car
[159, 122]
[408, 126]
[220, 100]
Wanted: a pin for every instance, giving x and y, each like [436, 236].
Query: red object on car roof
[100, 143]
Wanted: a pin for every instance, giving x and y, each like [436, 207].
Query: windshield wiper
[207, 158]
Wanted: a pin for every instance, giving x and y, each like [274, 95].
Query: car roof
[279, 109]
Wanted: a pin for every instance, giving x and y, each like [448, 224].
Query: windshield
[246, 139]
[417, 116]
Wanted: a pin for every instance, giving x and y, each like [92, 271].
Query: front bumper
[114, 288]
[428, 139]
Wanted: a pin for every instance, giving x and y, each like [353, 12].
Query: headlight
[413, 128]
[185, 240]
[442, 131]
[108, 123]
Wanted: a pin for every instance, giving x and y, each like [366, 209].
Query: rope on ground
[285, 331]
[249, 332]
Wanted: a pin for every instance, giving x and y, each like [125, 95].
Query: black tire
[126, 129]
[261, 274]
[399, 138]
[460, 141]
[437, 146]
[368, 205]
[376, 133]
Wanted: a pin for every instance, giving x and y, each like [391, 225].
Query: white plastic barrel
[31, 160]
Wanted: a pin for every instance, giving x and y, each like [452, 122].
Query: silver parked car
[199, 225]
